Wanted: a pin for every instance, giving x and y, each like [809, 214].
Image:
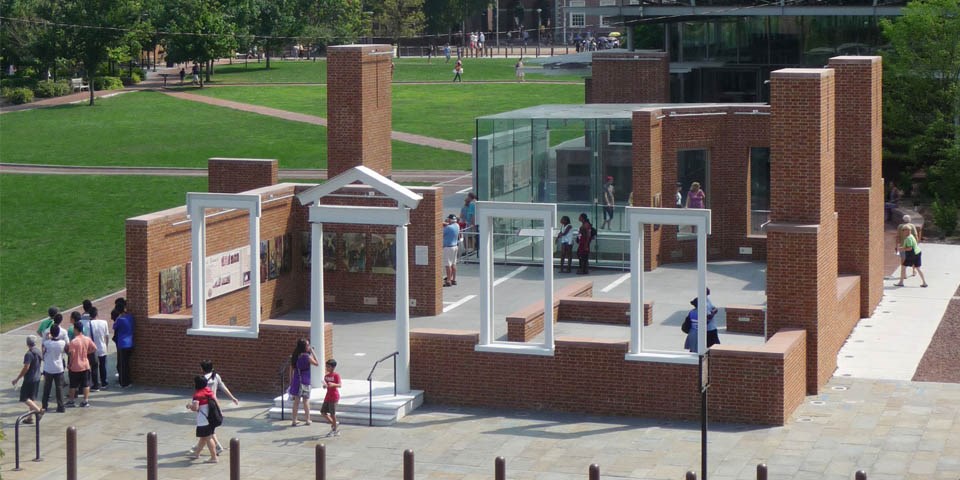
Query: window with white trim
[577, 20]
[608, 3]
[604, 21]
[578, 3]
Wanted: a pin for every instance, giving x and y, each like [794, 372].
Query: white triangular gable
[403, 195]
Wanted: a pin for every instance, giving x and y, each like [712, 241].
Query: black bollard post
[408, 465]
[500, 469]
[691, 475]
[71, 453]
[861, 475]
[234, 458]
[761, 471]
[152, 472]
[594, 472]
[320, 453]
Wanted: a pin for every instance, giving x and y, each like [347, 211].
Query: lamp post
[538, 27]
[496, 20]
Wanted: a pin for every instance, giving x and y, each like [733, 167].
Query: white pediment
[403, 195]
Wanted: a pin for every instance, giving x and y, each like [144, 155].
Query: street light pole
[496, 21]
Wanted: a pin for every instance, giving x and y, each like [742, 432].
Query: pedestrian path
[891, 343]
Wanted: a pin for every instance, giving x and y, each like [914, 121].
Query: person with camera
[300, 361]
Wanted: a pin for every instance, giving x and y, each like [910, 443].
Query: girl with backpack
[215, 383]
[206, 419]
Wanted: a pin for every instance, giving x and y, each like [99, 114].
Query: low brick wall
[601, 310]
[525, 324]
[745, 318]
[756, 385]
[170, 357]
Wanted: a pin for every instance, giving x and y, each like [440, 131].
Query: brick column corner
[235, 175]
[648, 176]
[642, 76]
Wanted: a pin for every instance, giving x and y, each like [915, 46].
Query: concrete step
[354, 404]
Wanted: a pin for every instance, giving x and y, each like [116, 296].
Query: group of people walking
[85, 342]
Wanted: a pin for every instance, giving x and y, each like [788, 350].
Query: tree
[96, 26]
[199, 32]
[328, 22]
[275, 25]
[400, 18]
[922, 92]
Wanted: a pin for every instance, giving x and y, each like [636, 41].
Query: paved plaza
[873, 420]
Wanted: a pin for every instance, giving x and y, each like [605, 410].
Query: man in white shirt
[53, 349]
[100, 333]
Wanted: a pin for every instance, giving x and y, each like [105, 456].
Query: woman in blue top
[713, 336]
[123, 336]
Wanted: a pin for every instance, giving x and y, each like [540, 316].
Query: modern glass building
[561, 154]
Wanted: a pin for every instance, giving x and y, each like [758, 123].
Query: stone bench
[525, 324]
[574, 302]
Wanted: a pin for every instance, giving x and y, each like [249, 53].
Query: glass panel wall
[693, 175]
[572, 162]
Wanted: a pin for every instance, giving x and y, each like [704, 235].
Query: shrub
[107, 83]
[131, 78]
[14, 82]
[945, 216]
[20, 95]
[48, 88]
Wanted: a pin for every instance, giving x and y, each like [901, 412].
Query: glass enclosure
[570, 155]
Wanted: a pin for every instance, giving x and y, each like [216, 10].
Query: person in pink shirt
[332, 382]
[79, 349]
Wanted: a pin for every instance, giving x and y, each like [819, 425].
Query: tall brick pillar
[859, 183]
[802, 235]
[629, 77]
[647, 176]
[359, 108]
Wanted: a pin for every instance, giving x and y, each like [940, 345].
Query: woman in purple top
[695, 198]
[301, 360]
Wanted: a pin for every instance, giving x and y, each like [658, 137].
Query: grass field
[63, 236]
[406, 70]
[444, 111]
[152, 129]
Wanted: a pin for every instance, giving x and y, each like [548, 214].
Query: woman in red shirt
[200, 404]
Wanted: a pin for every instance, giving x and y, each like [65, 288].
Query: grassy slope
[175, 133]
[443, 111]
[63, 236]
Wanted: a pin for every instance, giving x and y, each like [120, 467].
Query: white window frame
[608, 3]
[638, 218]
[581, 16]
[577, 3]
[604, 21]
[197, 203]
[485, 214]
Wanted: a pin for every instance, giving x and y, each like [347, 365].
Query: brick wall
[171, 358]
[630, 77]
[759, 385]
[859, 123]
[359, 108]
[801, 241]
[234, 175]
[601, 310]
[745, 318]
[648, 177]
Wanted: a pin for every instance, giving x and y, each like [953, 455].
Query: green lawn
[406, 70]
[63, 236]
[444, 111]
[152, 129]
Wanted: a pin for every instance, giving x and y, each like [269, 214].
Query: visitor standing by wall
[300, 361]
[123, 334]
[583, 244]
[695, 197]
[100, 334]
[565, 242]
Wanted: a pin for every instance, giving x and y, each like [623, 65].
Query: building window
[693, 166]
[578, 3]
[577, 20]
[608, 3]
[759, 190]
[604, 21]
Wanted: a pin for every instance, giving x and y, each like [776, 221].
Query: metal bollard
[71, 453]
[152, 467]
[234, 458]
[408, 465]
[761, 471]
[320, 453]
[500, 469]
[594, 472]
[691, 475]
[861, 475]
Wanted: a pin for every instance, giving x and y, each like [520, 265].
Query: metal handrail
[283, 368]
[16, 436]
[370, 382]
